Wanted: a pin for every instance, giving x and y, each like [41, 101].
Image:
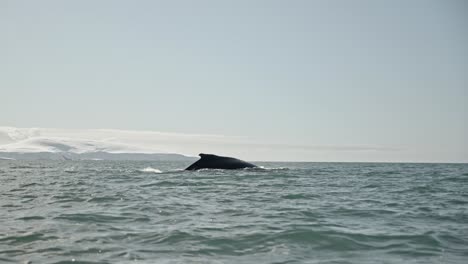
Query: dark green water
[118, 212]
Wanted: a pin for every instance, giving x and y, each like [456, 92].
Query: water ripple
[121, 212]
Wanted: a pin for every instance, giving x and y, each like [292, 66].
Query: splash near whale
[211, 161]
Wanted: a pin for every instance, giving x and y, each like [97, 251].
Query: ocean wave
[91, 218]
[26, 238]
[23, 167]
[119, 211]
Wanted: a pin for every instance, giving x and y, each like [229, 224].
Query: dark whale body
[210, 161]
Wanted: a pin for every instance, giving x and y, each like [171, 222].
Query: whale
[211, 161]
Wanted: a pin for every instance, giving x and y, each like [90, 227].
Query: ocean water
[153, 212]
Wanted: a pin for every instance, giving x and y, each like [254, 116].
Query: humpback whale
[211, 161]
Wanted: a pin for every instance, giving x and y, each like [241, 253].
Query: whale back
[211, 161]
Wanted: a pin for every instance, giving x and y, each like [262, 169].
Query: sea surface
[154, 212]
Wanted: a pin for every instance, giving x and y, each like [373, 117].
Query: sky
[294, 80]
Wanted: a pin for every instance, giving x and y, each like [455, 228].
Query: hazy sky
[346, 80]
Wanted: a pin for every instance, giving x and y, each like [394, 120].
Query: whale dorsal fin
[203, 155]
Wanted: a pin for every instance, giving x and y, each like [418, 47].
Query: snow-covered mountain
[41, 143]
[114, 144]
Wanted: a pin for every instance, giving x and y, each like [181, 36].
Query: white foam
[70, 170]
[151, 170]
